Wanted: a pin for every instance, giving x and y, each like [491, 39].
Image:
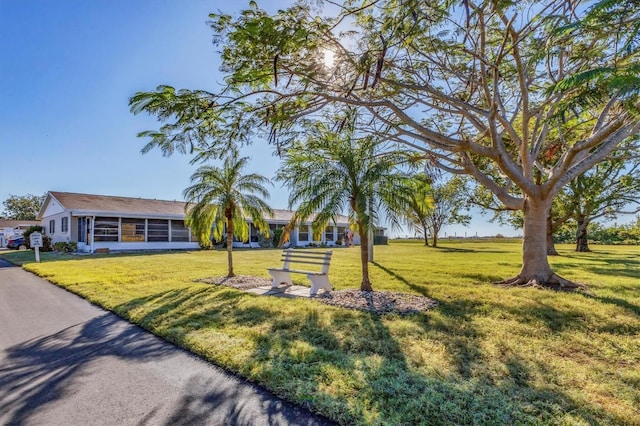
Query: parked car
[16, 242]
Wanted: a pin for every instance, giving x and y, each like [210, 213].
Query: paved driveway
[64, 361]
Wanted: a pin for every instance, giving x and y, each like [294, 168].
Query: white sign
[35, 239]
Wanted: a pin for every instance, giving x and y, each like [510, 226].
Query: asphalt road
[64, 361]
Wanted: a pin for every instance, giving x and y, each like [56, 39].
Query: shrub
[46, 241]
[65, 247]
[277, 235]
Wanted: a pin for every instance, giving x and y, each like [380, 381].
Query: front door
[82, 230]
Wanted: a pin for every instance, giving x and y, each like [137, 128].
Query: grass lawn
[486, 355]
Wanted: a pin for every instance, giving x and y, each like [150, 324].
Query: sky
[67, 71]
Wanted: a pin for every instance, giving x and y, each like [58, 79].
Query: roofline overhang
[84, 213]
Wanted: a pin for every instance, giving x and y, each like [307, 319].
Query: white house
[302, 235]
[124, 223]
[115, 223]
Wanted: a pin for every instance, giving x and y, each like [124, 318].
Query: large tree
[222, 199]
[334, 171]
[608, 190]
[22, 207]
[484, 88]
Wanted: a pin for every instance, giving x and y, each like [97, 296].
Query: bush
[277, 235]
[46, 241]
[65, 247]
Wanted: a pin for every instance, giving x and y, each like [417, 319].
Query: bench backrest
[290, 256]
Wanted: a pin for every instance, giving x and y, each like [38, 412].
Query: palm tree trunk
[425, 232]
[364, 257]
[230, 231]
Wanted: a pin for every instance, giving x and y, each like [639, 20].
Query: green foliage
[46, 245]
[22, 207]
[521, 97]
[628, 234]
[46, 240]
[277, 236]
[336, 171]
[221, 199]
[436, 203]
[66, 246]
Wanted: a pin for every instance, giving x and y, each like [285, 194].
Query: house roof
[108, 205]
[92, 204]
[18, 223]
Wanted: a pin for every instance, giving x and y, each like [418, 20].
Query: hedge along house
[115, 223]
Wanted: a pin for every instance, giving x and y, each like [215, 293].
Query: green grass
[486, 355]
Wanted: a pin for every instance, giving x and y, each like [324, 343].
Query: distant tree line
[628, 234]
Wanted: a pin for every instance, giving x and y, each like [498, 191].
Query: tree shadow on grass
[482, 278]
[624, 304]
[455, 250]
[350, 366]
[420, 289]
[613, 271]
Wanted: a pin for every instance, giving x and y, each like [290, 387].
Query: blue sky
[67, 71]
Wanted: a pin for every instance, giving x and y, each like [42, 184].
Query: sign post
[35, 239]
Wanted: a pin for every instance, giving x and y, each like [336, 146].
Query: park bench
[319, 279]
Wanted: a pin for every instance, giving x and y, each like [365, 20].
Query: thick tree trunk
[364, 258]
[551, 246]
[230, 247]
[582, 241]
[536, 270]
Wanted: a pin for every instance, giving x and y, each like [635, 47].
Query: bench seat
[319, 279]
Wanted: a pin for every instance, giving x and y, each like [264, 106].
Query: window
[303, 233]
[64, 224]
[52, 226]
[179, 232]
[158, 230]
[105, 229]
[328, 233]
[132, 230]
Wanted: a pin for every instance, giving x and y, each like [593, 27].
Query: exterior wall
[53, 208]
[335, 236]
[295, 240]
[71, 234]
[58, 235]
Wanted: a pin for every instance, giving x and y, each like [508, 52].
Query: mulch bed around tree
[378, 302]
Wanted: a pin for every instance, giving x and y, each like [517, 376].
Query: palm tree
[333, 170]
[222, 197]
[420, 206]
